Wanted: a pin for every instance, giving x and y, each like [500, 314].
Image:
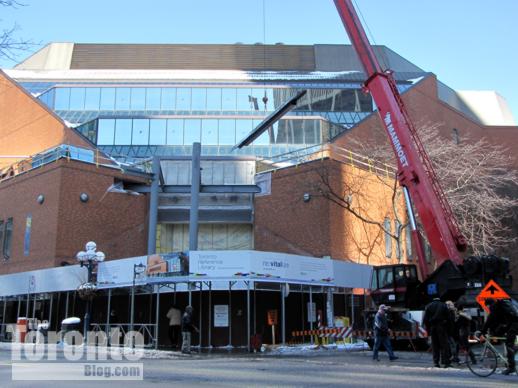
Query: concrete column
[157, 316]
[195, 196]
[153, 207]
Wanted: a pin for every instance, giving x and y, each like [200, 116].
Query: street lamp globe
[99, 256]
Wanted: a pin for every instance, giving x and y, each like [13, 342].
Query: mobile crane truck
[455, 278]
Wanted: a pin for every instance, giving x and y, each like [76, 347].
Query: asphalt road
[315, 369]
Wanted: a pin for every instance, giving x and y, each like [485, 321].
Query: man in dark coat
[381, 334]
[503, 316]
[436, 321]
[187, 330]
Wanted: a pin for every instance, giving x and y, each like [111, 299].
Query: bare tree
[10, 44]
[478, 180]
[365, 189]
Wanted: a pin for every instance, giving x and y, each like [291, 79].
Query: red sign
[272, 317]
[491, 291]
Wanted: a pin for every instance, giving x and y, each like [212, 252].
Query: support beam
[283, 314]
[157, 316]
[108, 311]
[50, 309]
[66, 306]
[230, 314]
[210, 316]
[153, 207]
[195, 196]
[312, 311]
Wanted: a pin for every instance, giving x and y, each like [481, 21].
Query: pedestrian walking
[453, 337]
[435, 320]
[175, 320]
[381, 334]
[187, 330]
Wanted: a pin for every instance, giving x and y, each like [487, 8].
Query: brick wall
[27, 126]
[285, 222]
[63, 224]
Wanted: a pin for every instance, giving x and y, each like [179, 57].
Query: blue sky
[469, 44]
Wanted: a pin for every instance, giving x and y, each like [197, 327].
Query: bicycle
[486, 356]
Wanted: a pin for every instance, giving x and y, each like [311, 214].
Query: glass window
[298, 131]
[175, 131]
[77, 98]
[214, 99]
[138, 99]
[107, 98]
[199, 99]
[157, 132]
[397, 232]
[122, 132]
[256, 99]
[408, 241]
[168, 101]
[264, 138]
[92, 98]
[228, 99]
[244, 99]
[122, 99]
[388, 238]
[106, 132]
[310, 131]
[192, 131]
[140, 132]
[62, 99]
[386, 277]
[243, 128]
[8, 236]
[153, 98]
[183, 99]
[209, 132]
[268, 101]
[227, 132]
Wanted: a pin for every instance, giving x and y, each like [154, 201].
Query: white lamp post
[89, 259]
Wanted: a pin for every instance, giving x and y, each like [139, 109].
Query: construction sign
[491, 291]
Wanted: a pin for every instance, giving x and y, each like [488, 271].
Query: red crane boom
[415, 171]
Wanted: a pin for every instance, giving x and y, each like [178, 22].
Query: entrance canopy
[196, 266]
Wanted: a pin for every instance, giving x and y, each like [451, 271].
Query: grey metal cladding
[193, 56]
[330, 57]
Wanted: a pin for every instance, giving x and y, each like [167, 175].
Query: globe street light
[89, 259]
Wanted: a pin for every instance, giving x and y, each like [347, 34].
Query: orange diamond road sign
[491, 291]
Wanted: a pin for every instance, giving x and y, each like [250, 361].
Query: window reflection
[122, 99]
[183, 99]
[228, 99]
[157, 132]
[77, 98]
[62, 98]
[243, 128]
[168, 101]
[140, 132]
[227, 132]
[107, 98]
[245, 100]
[209, 132]
[214, 99]
[123, 132]
[92, 98]
[192, 131]
[199, 98]
[138, 99]
[174, 131]
[153, 98]
[106, 132]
